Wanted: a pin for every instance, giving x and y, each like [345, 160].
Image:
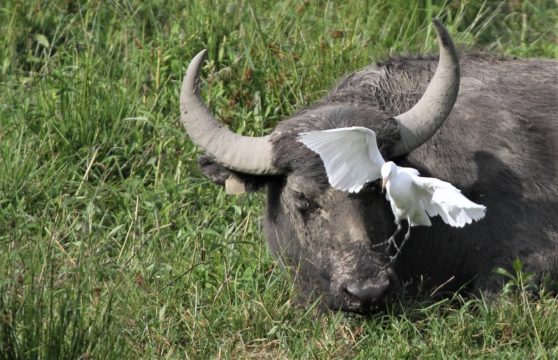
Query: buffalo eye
[304, 204]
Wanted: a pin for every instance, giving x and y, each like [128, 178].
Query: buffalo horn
[252, 155]
[419, 123]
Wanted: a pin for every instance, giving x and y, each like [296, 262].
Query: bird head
[387, 171]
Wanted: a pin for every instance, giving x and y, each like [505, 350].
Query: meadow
[113, 245]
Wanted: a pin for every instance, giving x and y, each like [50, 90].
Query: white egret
[351, 158]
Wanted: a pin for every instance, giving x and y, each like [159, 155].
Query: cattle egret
[351, 158]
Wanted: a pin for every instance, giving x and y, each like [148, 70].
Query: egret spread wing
[350, 155]
[441, 198]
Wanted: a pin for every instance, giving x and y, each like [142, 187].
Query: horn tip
[443, 35]
[191, 76]
[199, 58]
[202, 53]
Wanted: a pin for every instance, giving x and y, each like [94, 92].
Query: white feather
[350, 155]
[406, 202]
[441, 198]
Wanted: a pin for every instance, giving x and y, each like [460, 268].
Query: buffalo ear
[234, 185]
[234, 182]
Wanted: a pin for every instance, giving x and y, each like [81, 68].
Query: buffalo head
[328, 236]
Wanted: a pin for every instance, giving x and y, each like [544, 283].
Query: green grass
[113, 245]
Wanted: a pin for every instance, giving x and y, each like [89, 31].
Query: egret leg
[398, 249]
[407, 236]
[391, 240]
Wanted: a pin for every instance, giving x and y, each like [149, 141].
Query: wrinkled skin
[498, 146]
[345, 257]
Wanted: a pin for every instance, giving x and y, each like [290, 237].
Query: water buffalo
[484, 123]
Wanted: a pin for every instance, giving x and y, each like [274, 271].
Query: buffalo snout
[364, 295]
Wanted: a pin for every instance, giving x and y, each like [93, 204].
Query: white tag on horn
[234, 185]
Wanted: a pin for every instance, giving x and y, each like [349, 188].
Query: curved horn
[420, 122]
[246, 154]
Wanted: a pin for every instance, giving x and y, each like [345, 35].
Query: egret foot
[391, 240]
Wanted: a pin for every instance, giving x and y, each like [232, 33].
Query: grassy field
[113, 245]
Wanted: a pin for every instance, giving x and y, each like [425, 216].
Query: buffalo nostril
[368, 291]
